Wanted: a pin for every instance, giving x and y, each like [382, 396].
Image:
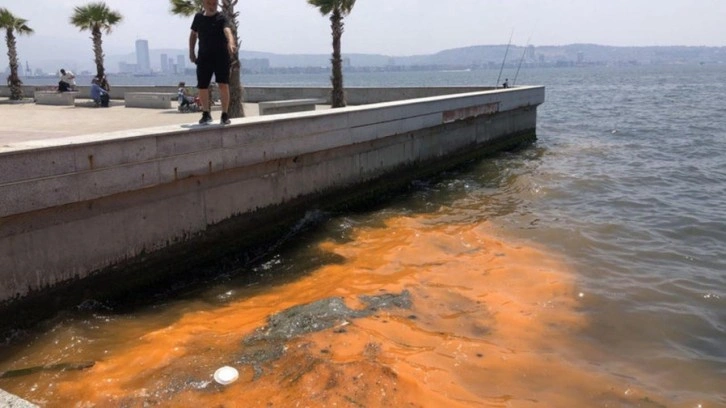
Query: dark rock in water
[321, 315]
[257, 353]
[267, 343]
[302, 319]
[387, 301]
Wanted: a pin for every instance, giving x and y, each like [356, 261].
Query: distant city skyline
[174, 62]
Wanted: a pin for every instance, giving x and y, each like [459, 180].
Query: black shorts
[217, 64]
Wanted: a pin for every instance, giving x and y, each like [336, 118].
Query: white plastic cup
[226, 375]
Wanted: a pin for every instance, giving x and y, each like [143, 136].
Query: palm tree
[188, 8]
[13, 25]
[337, 10]
[96, 17]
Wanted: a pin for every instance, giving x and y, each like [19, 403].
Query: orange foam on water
[492, 323]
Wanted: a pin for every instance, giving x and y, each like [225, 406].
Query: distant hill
[480, 55]
[494, 54]
[573, 53]
[472, 57]
[643, 55]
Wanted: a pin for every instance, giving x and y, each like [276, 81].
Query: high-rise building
[142, 57]
[165, 64]
[180, 64]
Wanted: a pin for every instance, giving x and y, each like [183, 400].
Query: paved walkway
[21, 122]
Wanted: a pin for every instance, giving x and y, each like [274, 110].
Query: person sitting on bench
[99, 95]
[67, 81]
[182, 96]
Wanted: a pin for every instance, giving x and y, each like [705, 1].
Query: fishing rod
[505, 58]
[520, 61]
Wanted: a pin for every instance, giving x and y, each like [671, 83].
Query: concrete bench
[55, 98]
[290, 105]
[153, 100]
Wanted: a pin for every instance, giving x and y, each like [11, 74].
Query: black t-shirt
[210, 30]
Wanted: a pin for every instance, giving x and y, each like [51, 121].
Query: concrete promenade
[22, 122]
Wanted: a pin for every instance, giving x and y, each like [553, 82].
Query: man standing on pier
[216, 45]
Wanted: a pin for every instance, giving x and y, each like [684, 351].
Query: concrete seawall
[92, 205]
[354, 96]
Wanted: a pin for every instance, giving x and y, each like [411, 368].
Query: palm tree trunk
[236, 90]
[336, 25]
[98, 51]
[14, 82]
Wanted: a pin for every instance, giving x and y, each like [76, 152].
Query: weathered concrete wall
[8, 400]
[74, 206]
[354, 96]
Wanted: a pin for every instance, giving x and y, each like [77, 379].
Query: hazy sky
[392, 27]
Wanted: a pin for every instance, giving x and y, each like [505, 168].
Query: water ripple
[632, 186]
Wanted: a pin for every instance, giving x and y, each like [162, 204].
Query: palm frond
[95, 16]
[16, 24]
[185, 7]
[328, 6]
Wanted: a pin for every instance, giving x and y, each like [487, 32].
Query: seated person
[182, 95]
[103, 82]
[98, 94]
[67, 81]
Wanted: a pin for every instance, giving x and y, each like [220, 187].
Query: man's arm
[231, 44]
[192, 46]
